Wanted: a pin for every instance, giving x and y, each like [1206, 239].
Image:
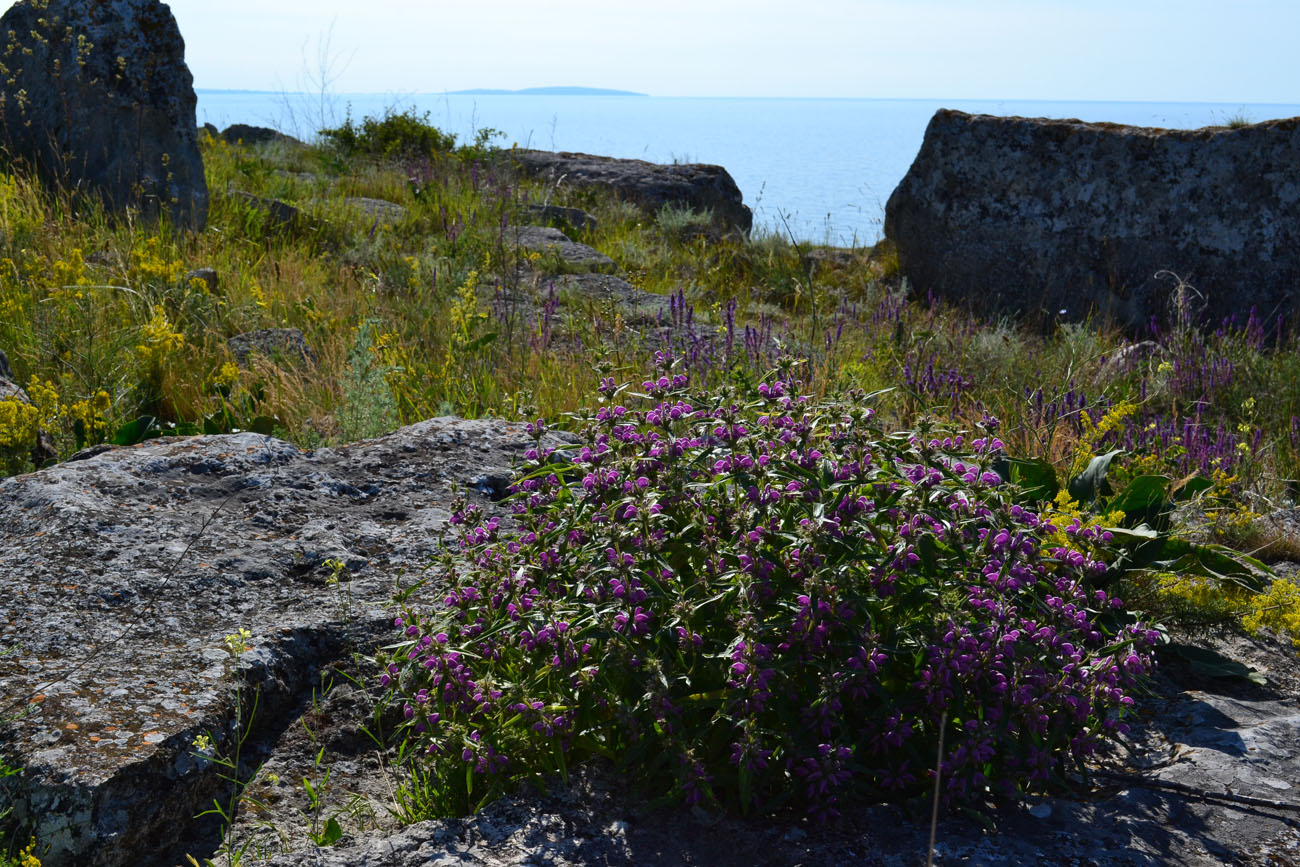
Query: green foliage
[396, 134]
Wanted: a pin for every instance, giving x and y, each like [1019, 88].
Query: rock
[121, 574]
[1034, 216]
[98, 96]
[211, 130]
[287, 343]
[242, 133]
[572, 218]
[208, 276]
[650, 185]
[572, 256]
[381, 212]
[6, 372]
[281, 215]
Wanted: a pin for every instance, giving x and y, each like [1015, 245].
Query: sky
[1156, 50]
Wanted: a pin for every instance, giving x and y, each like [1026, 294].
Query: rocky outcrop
[379, 212]
[286, 343]
[121, 574]
[1035, 217]
[568, 256]
[98, 97]
[570, 218]
[242, 133]
[696, 186]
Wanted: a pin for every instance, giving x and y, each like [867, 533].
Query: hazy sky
[1160, 50]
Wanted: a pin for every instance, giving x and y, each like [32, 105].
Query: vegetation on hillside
[1166, 444]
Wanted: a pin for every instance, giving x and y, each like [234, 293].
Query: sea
[813, 170]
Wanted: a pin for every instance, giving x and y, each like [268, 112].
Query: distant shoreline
[477, 91]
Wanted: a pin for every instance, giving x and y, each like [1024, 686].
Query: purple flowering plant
[752, 600]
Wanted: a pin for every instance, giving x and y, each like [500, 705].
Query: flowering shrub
[750, 599]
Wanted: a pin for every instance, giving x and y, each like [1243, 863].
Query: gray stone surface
[256, 135]
[287, 343]
[98, 96]
[121, 573]
[570, 255]
[380, 211]
[697, 186]
[573, 218]
[208, 276]
[1036, 216]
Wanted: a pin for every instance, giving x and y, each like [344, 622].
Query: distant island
[545, 91]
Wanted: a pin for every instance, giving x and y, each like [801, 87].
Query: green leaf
[1036, 478]
[480, 342]
[143, 428]
[1091, 483]
[331, 834]
[1210, 663]
[1144, 496]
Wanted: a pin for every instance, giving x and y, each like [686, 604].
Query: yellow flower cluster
[92, 414]
[227, 376]
[25, 858]
[1095, 432]
[158, 340]
[1065, 510]
[19, 422]
[151, 262]
[1277, 609]
[1219, 599]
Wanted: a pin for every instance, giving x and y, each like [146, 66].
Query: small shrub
[755, 600]
[403, 134]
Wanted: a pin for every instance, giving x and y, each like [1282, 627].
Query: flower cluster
[753, 597]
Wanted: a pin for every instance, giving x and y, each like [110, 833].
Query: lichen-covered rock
[697, 186]
[287, 343]
[567, 255]
[1035, 217]
[238, 133]
[121, 574]
[379, 212]
[572, 218]
[98, 96]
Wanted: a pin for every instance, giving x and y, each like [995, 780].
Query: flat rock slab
[1060, 218]
[571, 255]
[289, 343]
[697, 186]
[122, 573]
[380, 211]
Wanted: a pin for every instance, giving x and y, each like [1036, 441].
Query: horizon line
[490, 92]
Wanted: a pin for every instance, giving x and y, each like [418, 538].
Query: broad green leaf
[1091, 483]
[1036, 478]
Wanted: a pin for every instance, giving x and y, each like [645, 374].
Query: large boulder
[122, 572]
[1034, 216]
[98, 97]
[696, 186]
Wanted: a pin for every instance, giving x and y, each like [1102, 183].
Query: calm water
[821, 169]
